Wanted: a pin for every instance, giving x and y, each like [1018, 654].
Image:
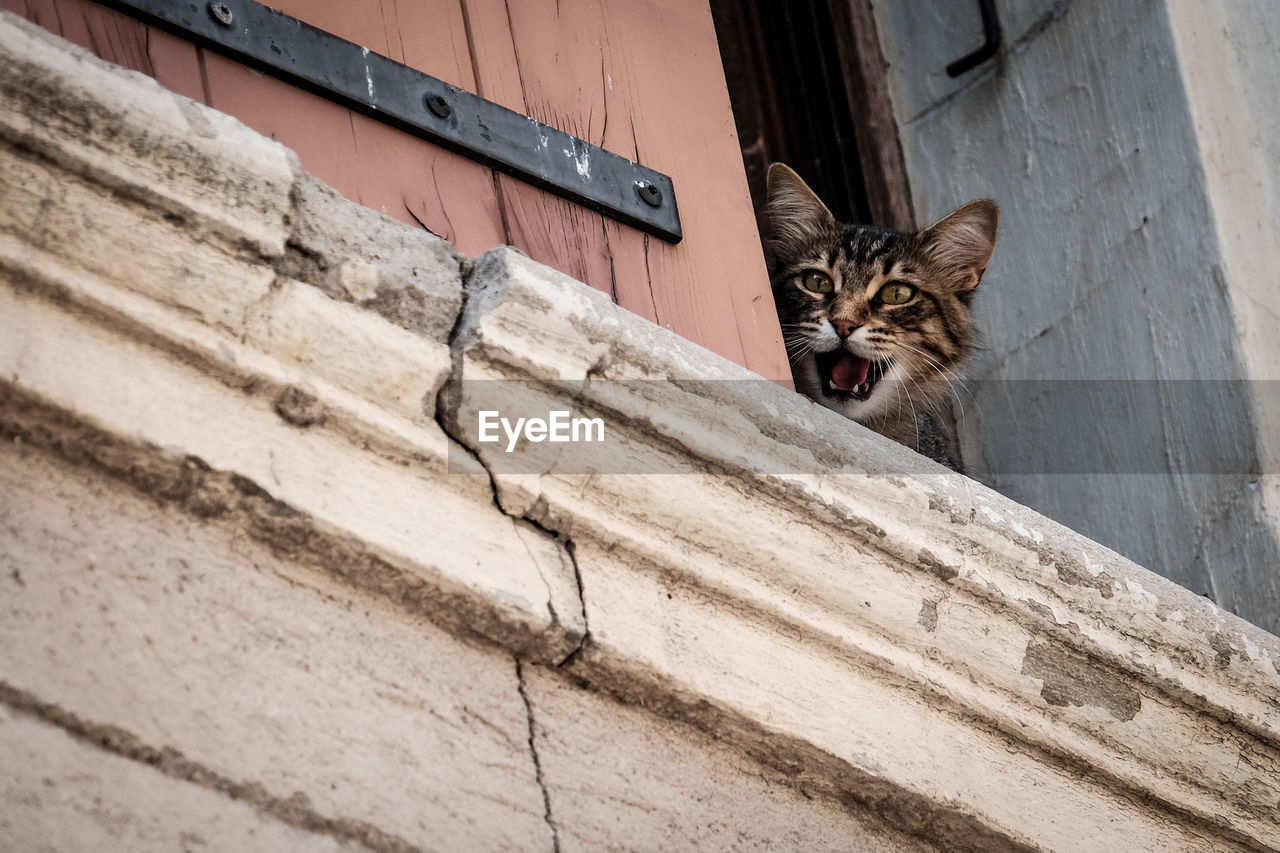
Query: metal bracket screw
[649, 194]
[221, 13]
[438, 105]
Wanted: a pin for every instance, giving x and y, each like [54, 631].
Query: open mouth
[849, 376]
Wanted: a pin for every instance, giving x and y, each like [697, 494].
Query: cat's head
[876, 321]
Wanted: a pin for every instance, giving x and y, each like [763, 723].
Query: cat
[876, 321]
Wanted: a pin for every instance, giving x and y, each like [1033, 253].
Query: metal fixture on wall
[424, 106]
[990, 44]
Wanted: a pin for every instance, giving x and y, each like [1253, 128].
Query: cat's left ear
[795, 214]
[962, 243]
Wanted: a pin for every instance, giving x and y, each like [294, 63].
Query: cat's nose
[845, 328]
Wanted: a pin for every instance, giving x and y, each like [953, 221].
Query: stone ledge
[201, 167]
[889, 633]
[999, 659]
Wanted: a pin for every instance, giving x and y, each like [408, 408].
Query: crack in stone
[448, 400]
[533, 752]
[571, 549]
[295, 810]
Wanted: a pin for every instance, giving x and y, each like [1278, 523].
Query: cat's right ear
[795, 215]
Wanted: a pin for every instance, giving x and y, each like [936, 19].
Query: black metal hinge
[424, 106]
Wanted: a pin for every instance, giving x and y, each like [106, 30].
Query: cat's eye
[896, 293]
[817, 282]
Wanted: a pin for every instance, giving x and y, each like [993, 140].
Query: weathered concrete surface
[201, 166]
[1228, 53]
[62, 794]
[154, 632]
[351, 723]
[355, 255]
[252, 542]
[1113, 264]
[620, 778]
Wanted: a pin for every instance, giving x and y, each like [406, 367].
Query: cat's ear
[794, 213]
[962, 243]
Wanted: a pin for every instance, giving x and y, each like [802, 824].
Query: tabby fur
[876, 321]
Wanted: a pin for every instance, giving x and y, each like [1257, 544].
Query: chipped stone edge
[1100, 633]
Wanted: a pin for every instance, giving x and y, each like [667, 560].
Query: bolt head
[221, 13]
[649, 194]
[438, 105]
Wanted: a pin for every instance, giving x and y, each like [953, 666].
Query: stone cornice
[175, 288]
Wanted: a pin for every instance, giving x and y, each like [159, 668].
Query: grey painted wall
[1111, 392]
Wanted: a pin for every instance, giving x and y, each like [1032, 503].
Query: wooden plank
[551, 230]
[368, 162]
[176, 64]
[429, 36]
[643, 80]
[42, 12]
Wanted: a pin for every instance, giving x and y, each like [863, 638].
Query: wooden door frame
[878, 174]
[880, 147]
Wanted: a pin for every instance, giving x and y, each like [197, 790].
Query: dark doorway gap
[806, 81]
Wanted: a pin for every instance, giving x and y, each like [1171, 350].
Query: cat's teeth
[857, 389]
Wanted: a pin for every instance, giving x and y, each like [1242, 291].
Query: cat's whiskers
[897, 399]
[915, 417]
[933, 406]
[805, 345]
[944, 372]
[947, 374]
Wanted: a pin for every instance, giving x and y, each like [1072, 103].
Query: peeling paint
[928, 617]
[1071, 572]
[1040, 609]
[1223, 648]
[1071, 679]
[581, 161]
[935, 566]
[368, 75]
[940, 506]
